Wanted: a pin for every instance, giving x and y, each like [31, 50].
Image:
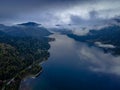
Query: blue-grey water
[76, 66]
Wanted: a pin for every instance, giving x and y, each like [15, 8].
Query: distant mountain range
[25, 29]
[107, 36]
[30, 24]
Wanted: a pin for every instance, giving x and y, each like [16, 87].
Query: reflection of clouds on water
[99, 61]
[93, 57]
[75, 64]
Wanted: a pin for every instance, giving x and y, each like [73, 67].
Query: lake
[76, 66]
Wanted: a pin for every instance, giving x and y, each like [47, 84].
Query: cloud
[88, 57]
[57, 11]
[99, 44]
[80, 32]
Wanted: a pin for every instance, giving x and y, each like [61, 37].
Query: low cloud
[99, 44]
[80, 32]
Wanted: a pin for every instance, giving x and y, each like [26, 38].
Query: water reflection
[99, 61]
[76, 66]
[93, 57]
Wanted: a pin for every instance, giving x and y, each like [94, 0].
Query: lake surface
[76, 66]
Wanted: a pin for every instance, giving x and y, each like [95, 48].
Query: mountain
[117, 19]
[107, 38]
[29, 29]
[30, 24]
[22, 48]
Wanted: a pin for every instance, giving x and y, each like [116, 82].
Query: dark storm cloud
[42, 2]
[55, 10]
[17, 4]
[9, 9]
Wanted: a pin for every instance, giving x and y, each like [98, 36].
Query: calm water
[76, 66]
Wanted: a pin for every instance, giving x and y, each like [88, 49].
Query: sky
[52, 12]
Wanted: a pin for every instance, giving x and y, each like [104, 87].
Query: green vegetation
[20, 57]
[34, 70]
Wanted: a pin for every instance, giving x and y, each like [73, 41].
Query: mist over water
[76, 66]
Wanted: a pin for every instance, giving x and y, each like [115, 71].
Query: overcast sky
[51, 12]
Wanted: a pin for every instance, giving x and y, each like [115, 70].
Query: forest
[20, 56]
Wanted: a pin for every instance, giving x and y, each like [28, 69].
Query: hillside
[17, 53]
[25, 30]
[106, 36]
